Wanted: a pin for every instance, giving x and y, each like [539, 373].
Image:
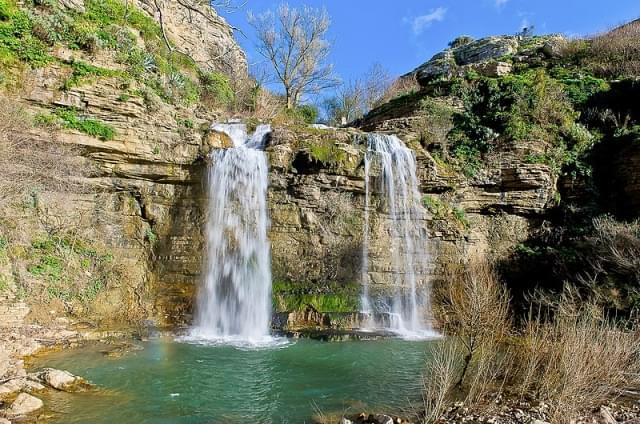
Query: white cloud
[500, 3]
[420, 23]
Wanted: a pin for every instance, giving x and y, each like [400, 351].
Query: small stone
[382, 419]
[4, 421]
[539, 422]
[344, 420]
[24, 404]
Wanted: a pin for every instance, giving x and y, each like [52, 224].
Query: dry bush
[617, 248]
[440, 378]
[268, 106]
[578, 360]
[613, 54]
[473, 362]
[478, 314]
[404, 85]
[30, 163]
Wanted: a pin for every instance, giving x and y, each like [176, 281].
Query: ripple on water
[260, 343]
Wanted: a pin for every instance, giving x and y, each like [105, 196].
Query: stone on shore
[23, 405]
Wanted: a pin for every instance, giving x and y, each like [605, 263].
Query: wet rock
[344, 420]
[61, 380]
[16, 385]
[23, 405]
[218, 140]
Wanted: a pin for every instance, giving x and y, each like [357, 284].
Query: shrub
[83, 71]
[615, 53]
[461, 41]
[577, 360]
[71, 120]
[307, 113]
[216, 88]
[16, 37]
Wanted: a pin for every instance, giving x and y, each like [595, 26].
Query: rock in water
[60, 380]
[24, 404]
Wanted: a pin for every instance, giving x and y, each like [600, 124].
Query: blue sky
[402, 34]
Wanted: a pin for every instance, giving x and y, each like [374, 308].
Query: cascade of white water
[409, 307]
[234, 301]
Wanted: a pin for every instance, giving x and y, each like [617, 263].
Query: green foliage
[326, 151]
[307, 113]
[17, 41]
[289, 297]
[71, 120]
[57, 260]
[444, 211]
[579, 86]
[45, 120]
[527, 107]
[150, 236]
[435, 206]
[461, 41]
[216, 88]
[82, 72]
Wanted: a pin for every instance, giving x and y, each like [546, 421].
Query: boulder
[442, 65]
[492, 68]
[218, 140]
[75, 5]
[486, 49]
[554, 47]
[60, 380]
[23, 405]
[11, 387]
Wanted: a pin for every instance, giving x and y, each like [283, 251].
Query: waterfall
[408, 308]
[234, 301]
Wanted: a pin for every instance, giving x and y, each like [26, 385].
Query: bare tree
[294, 42]
[355, 98]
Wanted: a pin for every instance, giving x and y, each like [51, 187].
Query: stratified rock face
[485, 49]
[199, 31]
[489, 56]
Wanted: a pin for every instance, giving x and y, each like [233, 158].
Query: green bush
[216, 87]
[308, 113]
[82, 72]
[16, 38]
[71, 120]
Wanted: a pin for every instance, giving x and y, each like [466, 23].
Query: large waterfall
[234, 302]
[407, 309]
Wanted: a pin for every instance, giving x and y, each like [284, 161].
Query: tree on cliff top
[293, 41]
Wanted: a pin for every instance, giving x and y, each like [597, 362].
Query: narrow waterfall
[234, 301]
[408, 308]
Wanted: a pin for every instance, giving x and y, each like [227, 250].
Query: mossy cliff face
[106, 228]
